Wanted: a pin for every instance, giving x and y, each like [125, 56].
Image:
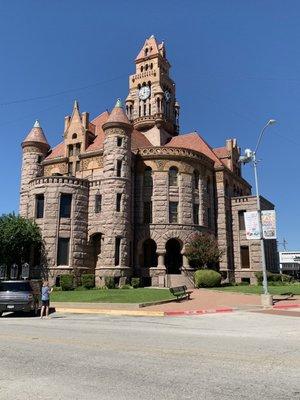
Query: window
[70, 168]
[242, 220]
[119, 141]
[148, 182]
[74, 136]
[71, 150]
[208, 185]
[39, 159]
[117, 251]
[65, 205]
[226, 189]
[148, 212]
[173, 212]
[77, 166]
[119, 168]
[98, 201]
[77, 149]
[196, 214]
[63, 251]
[209, 221]
[245, 259]
[196, 179]
[173, 176]
[119, 198]
[39, 208]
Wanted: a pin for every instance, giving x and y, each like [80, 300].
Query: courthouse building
[123, 193]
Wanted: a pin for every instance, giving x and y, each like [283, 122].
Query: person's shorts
[45, 303]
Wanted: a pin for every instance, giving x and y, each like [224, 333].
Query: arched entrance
[173, 258]
[149, 254]
[95, 248]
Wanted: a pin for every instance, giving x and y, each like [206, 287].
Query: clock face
[144, 92]
[167, 95]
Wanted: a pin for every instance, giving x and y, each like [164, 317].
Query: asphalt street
[240, 355]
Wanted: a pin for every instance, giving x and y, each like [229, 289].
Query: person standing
[46, 290]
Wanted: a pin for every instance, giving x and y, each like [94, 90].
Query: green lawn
[113, 295]
[294, 288]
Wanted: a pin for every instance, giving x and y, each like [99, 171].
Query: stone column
[158, 273]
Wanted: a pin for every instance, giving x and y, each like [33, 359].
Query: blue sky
[235, 63]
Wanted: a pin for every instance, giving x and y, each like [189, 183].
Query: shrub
[203, 250]
[207, 278]
[273, 279]
[110, 282]
[135, 282]
[88, 281]
[56, 289]
[125, 287]
[67, 282]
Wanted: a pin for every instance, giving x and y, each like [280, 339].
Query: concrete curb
[199, 312]
[135, 313]
[286, 306]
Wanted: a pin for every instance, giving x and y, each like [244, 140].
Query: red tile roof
[221, 152]
[194, 141]
[57, 151]
[118, 115]
[138, 140]
[36, 135]
[98, 131]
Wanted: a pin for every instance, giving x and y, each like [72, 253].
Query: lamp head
[271, 121]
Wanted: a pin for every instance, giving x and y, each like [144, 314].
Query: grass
[255, 289]
[139, 295]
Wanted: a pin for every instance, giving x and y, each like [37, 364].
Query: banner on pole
[268, 220]
[252, 225]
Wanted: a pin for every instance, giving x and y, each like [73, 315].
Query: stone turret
[35, 148]
[115, 259]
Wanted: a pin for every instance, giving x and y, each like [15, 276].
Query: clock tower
[151, 104]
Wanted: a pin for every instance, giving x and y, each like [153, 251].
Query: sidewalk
[202, 301]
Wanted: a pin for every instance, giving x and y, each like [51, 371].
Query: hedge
[67, 282]
[207, 278]
[88, 281]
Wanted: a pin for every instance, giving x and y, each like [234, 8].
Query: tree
[19, 239]
[203, 251]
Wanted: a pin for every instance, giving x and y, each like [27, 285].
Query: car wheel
[1, 313]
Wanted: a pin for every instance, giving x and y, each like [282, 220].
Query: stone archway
[149, 254]
[173, 257]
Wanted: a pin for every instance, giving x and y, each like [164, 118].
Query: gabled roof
[221, 152]
[194, 141]
[152, 46]
[98, 131]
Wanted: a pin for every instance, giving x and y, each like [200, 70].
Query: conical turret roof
[36, 135]
[118, 115]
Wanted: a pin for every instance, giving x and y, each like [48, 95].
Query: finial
[118, 103]
[152, 37]
[36, 124]
[76, 104]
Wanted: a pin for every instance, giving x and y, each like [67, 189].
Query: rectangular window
[65, 205]
[196, 214]
[148, 212]
[119, 168]
[98, 201]
[209, 221]
[245, 258]
[77, 148]
[39, 210]
[117, 251]
[70, 150]
[70, 168]
[119, 199]
[241, 220]
[63, 251]
[77, 166]
[119, 141]
[173, 212]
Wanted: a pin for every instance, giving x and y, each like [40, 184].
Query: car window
[15, 286]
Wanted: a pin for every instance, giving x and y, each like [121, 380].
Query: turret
[35, 148]
[116, 252]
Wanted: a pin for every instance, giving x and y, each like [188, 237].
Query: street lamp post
[250, 156]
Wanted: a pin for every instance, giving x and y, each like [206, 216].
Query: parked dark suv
[19, 296]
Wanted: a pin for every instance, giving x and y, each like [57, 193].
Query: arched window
[148, 181]
[146, 51]
[158, 105]
[142, 68]
[196, 179]
[146, 67]
[74, 136]
[151, 66]
[173, 176]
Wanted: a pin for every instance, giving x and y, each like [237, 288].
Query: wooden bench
[181, 292]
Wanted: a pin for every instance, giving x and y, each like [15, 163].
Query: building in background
[123, 193]
[290, 263]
